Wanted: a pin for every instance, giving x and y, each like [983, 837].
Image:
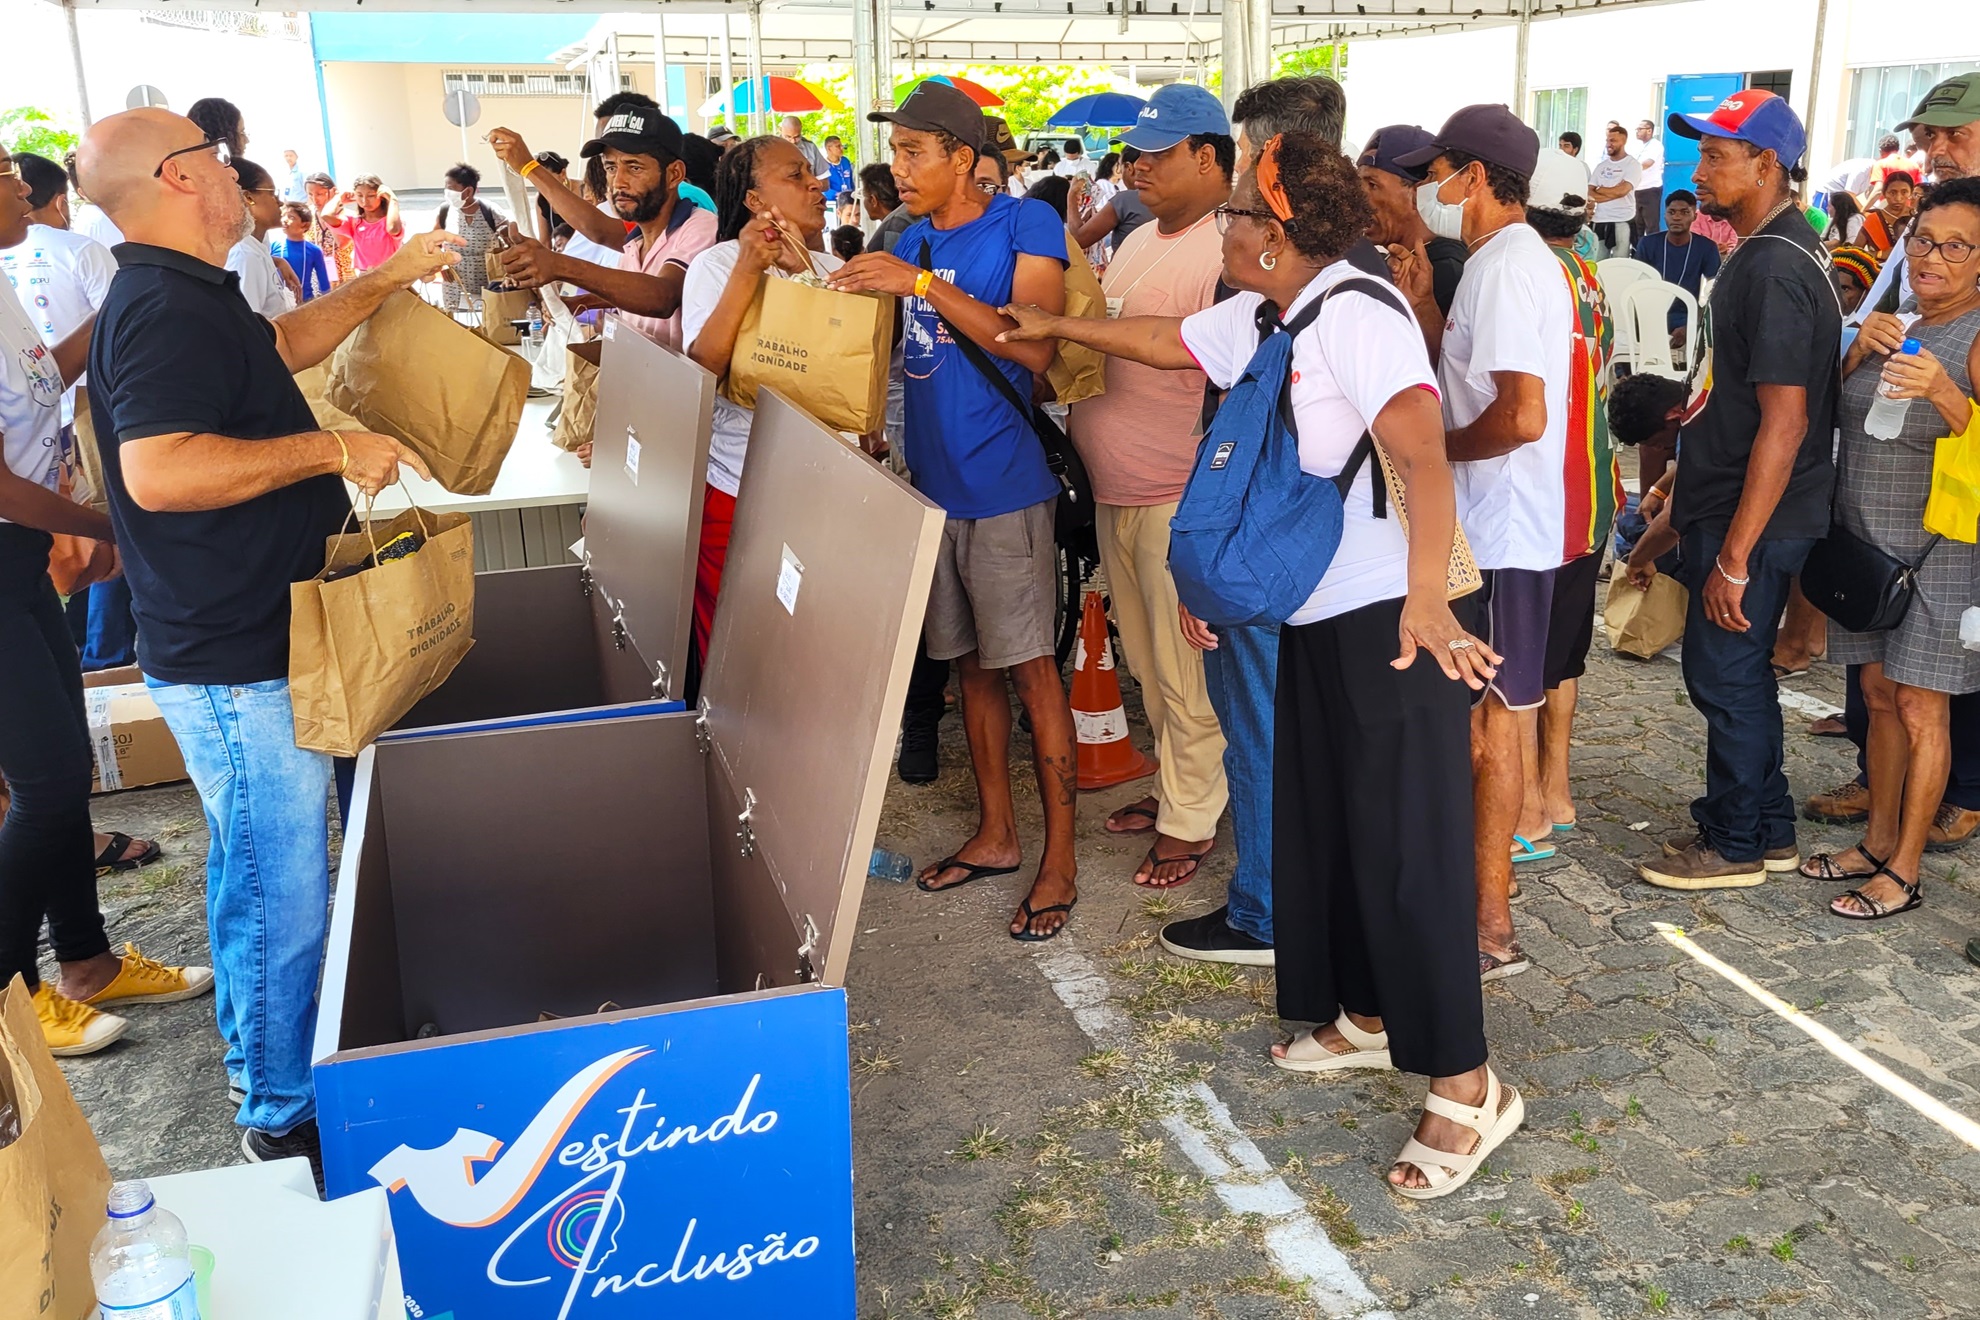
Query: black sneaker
[300, 1142]
[1209, 938]
[920, 744]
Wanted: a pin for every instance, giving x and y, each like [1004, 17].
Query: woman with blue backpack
[1286, 519]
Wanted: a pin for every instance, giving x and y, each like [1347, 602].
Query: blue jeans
[1747, 809]
[112, 636]
[267, 884]
[1243, 677]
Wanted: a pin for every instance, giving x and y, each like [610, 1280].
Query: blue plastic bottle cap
[1911, 346]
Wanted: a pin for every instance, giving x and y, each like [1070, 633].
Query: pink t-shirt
[1139, 438]
[372, 244]
[686, 238]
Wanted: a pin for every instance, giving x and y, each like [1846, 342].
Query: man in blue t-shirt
[1677, 255]
[838, 171]
[974, 452]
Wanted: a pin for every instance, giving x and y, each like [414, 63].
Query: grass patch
[986, 1143]
[1567, 1178]
[1334, 1216]
[874, 1063]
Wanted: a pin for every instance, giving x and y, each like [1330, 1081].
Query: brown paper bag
[53, 1181]
[363, 649]
[414, 373]
[89, 460]
[498, 308]
[1078, 372]
[1643, 623]
[826, 351]
[314, 382]
[580, 408]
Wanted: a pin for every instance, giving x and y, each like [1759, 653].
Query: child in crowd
[847, 242]
[304, 257]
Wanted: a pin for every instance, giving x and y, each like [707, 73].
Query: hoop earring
[1268, 260]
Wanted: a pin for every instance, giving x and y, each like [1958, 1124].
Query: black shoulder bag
[1860, 585]
[1073, 513]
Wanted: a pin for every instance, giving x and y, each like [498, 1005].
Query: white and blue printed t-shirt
[30, 398]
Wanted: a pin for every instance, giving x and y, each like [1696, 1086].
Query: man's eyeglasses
[218, 146]
[1952, 249]
[989, 186]
[10, 171]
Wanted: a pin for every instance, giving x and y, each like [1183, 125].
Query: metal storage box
[612, 630]
[686, 1151]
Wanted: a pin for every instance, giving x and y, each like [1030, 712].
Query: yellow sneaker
[71, 1028]
[143, 980]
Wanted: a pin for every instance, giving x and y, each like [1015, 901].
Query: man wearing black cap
[1392, 195]
[641, 150]
[972, 449]
[1753, 484]
[1504, 372]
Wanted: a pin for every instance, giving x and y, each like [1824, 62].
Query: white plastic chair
[1617, 276]
[1646, 311]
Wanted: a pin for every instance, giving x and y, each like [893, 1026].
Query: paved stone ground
[1686, 1150]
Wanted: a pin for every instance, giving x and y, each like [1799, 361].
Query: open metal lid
[818, 623]
[649, 471]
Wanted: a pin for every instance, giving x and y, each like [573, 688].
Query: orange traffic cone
[1106, 756]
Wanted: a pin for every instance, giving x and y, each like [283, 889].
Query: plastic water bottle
[536, 320]
[1969, 628]
[1886, 418]
[142, 1267]
[896, 868]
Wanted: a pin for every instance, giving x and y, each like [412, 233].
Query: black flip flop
[1833, 874]
[1133, 809]
[1195, 861]
[1031, 914]
[112, 857]
[1878, 911]
[957, 864]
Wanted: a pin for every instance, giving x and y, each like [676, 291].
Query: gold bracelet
[524, 171]
[922, 283]
[347, 453]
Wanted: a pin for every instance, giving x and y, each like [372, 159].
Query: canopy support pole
[872, 80]
[75, 58]
[1520, 59]
[1815, 71]
[661, 91]
[759, 95]
[1247, 42]
[728, 75]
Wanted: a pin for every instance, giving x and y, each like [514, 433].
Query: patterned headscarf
[1270, 187]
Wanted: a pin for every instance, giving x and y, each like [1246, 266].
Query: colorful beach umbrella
[786, 96]
[1098, 110]
[969, 87]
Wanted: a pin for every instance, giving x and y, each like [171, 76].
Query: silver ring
[1462, 644]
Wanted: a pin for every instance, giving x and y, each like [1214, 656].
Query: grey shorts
[993, 588]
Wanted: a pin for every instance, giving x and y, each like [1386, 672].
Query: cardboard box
[614, 629]
[677, 1140]
[128, 739]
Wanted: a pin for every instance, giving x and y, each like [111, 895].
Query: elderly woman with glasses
[1909, 672]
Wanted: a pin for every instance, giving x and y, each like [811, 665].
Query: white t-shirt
[1346, 367]
[1512, 312]
[1072, 165]
[30, 398]
[60, 278]
[707, 275]
[1607, 172]
[91, 222]
[261, 283]
[1650, 158]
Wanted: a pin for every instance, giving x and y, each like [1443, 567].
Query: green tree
[24, 128]
[1313, 59]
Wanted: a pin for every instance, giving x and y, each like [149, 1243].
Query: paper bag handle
[426, 531]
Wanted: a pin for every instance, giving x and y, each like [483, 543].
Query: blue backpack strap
[1364, 449]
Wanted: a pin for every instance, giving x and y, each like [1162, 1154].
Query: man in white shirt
[1650, 188]
[1073, 160]
[1503, 370]
[292, 182]
[1613, 179]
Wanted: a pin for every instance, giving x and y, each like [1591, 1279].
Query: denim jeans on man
[1747, 809]
[267, 884]
[1243, 676]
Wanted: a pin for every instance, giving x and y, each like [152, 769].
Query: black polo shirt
[1773, 320]
[177, 349]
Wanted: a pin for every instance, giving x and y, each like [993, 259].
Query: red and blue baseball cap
[1754, 116]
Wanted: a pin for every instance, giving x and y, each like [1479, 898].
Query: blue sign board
[686, 1162]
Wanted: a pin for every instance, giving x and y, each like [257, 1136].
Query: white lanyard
[1120, 299]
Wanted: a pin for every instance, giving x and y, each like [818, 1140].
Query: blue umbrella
[1098, 110]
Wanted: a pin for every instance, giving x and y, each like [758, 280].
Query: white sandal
[1304, 1053]
[1446, 1171]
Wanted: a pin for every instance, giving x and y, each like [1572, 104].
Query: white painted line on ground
[1236, 1168]
[1814, 707]
[1958, 1124]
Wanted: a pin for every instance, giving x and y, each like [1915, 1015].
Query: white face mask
[1446, 219]
[456, 198]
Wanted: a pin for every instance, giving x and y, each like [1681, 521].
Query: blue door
[1690, 94]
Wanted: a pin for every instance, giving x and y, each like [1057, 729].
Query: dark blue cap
[1385, 144]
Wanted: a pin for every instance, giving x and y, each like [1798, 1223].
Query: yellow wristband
[346, 450]
[921, 283]
[524, 171]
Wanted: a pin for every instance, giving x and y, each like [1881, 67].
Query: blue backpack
[1254, 534]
